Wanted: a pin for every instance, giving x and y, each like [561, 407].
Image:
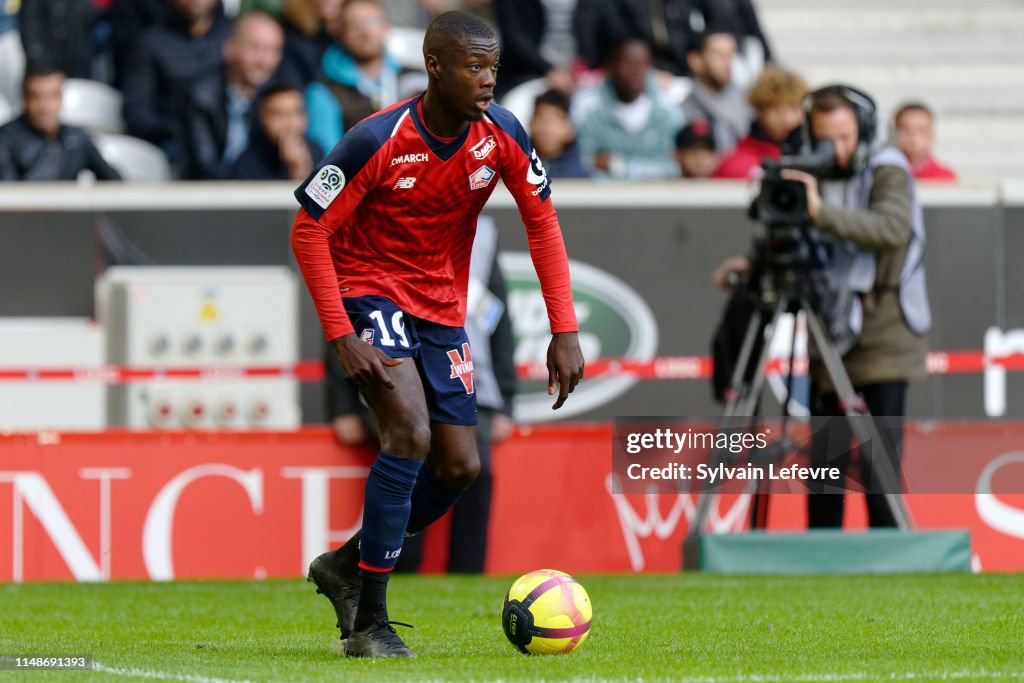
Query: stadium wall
[161, 506]
[649, 249]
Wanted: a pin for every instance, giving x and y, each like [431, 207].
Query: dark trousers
[471, 516]
[832, 449]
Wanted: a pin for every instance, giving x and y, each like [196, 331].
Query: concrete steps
[965, 59]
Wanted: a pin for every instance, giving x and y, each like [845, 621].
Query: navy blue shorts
[441, 353]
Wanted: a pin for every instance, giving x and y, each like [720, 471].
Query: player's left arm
[527, 180]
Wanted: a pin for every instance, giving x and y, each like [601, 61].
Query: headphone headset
[864, 109]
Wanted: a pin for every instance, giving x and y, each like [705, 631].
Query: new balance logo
[462, 366]
[404, 183]
[409, 159]
[481, 149]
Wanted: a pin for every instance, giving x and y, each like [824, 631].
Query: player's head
[461, 55]
[914, 131]
[42, 97]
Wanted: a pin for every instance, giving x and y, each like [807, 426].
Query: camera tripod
[747, 384]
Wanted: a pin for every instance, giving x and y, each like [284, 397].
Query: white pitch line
[810, 678]
[163, 675]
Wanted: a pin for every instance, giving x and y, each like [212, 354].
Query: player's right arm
[329, 197]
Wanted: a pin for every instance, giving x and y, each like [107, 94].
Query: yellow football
[546, 612]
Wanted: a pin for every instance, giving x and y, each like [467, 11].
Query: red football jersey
[392, 211]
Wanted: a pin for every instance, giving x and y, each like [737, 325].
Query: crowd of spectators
[261, 89]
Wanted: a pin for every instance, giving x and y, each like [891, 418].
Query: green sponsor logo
[615, 322]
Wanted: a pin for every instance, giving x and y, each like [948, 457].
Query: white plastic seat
[519, 100]
[12, 66]
[405, 44]
[136, 160]
[7, 110]
[92, 105]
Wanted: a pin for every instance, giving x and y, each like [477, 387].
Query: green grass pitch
[686, 627]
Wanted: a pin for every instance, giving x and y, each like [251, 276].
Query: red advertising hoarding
[159, 505]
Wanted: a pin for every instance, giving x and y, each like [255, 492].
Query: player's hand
[811, 183]
[350, 430]
[565, 365]
[364, 364]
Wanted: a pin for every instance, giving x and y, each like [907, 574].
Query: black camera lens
[785, 197]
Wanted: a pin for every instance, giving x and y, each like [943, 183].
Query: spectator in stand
[165, 61]
[357, 76]
[35, 146]
[714, 97]
[554, 137]
[218, 105]
[274, 8]
[130, 19]
[9, 15]
[537, 41]
[308, 25]
[740, 18]
[777, 98]
[695, 151]
[665, 27]
[916, 135]
[625, 130]
[279, 148]
[60, 33]
[418, 13]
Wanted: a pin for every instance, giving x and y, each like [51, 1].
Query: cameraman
[868, 212]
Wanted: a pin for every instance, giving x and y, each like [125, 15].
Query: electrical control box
[202, 347]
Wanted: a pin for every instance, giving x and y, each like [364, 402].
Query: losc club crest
[481, 178]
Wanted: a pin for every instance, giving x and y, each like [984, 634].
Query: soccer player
[383, 240]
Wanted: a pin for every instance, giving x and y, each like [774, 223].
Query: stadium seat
[12, 66]
[405, 44]
[136, 160]
[92, 105]
[749, 63]
[519, 100]
[7, 110]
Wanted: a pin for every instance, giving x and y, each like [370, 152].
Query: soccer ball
[546, 612]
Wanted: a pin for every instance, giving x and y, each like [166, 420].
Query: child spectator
[554, 137]
[695, 150]
[279, 148]
[777, 98]
[916, 135]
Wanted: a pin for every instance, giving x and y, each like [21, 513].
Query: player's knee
[409, 438]
[459, 475]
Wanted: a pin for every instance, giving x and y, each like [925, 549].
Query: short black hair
[452, 29]
[912, 106]
[555, 98]
[277, 87]
[39, 70]
[700, 40]
[620, 45]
